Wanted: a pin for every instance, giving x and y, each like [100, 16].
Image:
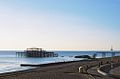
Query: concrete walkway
[93, 72]
[115, 72]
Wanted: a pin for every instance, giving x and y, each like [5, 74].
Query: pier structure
[104, 53]
[112, 52]
[36, 52]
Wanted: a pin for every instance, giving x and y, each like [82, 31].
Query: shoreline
[40, 68]
[35, 66]
[63, 70]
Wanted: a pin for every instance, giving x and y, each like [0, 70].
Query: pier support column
[103, 55]
[113, 54]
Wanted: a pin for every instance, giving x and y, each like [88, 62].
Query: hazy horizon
[60, 24]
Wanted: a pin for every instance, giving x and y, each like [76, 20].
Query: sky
[60, 24]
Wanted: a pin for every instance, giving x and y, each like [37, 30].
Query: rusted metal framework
[36, 52]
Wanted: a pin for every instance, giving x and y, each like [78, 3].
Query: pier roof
[34, 49]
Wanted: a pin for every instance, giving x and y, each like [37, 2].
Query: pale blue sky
[60, 24]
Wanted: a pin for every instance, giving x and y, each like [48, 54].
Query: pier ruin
[36, 52]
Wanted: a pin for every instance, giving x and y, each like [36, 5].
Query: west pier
[36, 52]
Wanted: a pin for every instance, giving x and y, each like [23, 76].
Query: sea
[10, 62]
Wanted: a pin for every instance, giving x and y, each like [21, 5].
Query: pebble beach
[68, 70]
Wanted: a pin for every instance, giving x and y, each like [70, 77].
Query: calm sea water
[9, 62]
